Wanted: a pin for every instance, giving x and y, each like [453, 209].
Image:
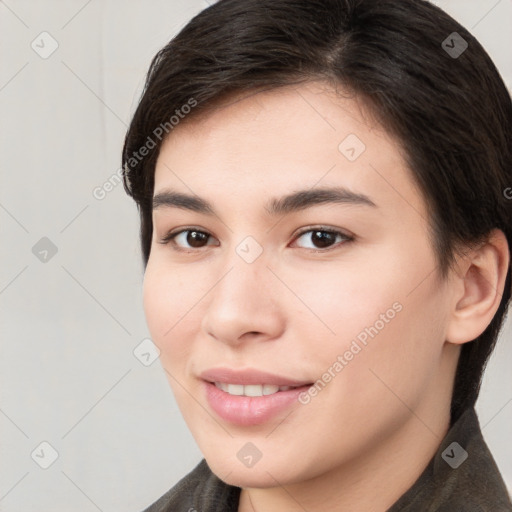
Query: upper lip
[248, 376]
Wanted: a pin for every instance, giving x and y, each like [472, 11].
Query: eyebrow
[284, 205]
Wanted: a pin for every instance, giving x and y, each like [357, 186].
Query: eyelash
[170, 236]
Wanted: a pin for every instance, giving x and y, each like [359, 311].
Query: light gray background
[69, 325]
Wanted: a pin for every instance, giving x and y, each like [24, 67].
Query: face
[333, 292]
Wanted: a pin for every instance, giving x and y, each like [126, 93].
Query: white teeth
[251, 389]
[270, 389]
[235, 389]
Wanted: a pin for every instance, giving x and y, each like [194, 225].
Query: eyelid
[324, 228]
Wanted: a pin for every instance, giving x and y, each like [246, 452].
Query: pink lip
[249, 410]
[249, 376]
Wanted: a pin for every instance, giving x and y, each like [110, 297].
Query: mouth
[247, 405]
[250, 396]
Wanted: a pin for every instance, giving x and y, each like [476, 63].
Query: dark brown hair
[445, 104]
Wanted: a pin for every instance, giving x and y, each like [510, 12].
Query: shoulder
[198, 491]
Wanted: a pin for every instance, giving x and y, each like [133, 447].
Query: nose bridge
[243, 298]
[243, 278]
[245, 266]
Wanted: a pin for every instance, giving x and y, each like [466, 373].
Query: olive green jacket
[461, 477]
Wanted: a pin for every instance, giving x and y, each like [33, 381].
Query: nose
[244, 304]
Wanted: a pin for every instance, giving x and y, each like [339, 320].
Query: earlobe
[482, 280]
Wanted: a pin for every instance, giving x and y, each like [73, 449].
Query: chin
[263, 474]
[251, 477]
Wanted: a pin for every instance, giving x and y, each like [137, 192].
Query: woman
[325, 228]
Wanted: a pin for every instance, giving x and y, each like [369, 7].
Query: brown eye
[323, 238]
[187, 239]
[195, 238]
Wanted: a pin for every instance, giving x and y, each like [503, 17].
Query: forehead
[287, 138]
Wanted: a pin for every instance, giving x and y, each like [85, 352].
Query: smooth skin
[367, 436]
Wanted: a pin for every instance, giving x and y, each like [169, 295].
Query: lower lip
[250, 410]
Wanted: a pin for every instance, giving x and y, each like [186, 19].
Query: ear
[478, 286]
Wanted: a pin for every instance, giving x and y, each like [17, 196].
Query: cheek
[399, 356]
[338, 303]
[154, 300]
[168, 306]
[385, 317]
